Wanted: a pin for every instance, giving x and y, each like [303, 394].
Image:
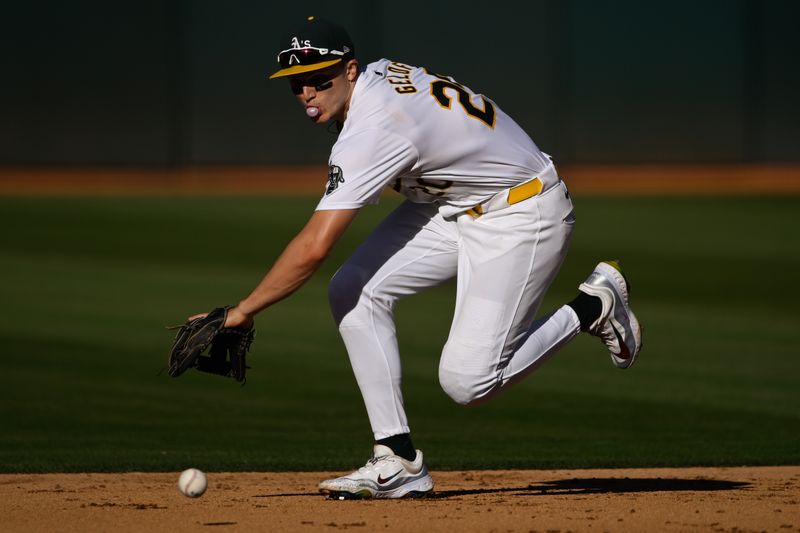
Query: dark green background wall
[185, 82]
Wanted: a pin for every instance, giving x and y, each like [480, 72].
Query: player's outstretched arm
[299, 260]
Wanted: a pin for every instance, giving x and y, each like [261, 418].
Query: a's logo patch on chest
[335, 177]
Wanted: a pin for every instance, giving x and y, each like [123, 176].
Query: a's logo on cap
[297, 44]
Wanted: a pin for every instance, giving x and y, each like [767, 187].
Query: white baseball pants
[504, 262]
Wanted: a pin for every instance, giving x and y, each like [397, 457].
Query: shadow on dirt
[604, 486]
[577, 486]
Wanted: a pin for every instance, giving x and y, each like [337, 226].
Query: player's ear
[351, 70]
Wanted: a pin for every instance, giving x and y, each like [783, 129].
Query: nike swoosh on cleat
[624, 353]
[383, 480]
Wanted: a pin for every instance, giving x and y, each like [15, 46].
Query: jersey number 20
[439, 87]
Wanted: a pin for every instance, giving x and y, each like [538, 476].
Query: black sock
[400, 445]
[588, 309]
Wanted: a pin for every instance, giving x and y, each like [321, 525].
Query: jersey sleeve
[362, 164]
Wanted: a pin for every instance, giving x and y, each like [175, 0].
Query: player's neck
[346, 109]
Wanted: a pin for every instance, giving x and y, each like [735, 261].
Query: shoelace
[371, 463]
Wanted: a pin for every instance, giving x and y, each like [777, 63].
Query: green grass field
[88, 285]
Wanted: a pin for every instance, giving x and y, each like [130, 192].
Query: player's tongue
[312, 111]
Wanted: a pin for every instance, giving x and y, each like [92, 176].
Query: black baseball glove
[228, 347]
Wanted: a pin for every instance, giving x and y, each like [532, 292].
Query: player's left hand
[238, 319]
[235, 318]
[227, 344]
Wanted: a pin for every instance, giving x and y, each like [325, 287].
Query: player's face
[325, 93]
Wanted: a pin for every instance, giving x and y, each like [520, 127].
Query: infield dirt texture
[633, 500]
[703, 434]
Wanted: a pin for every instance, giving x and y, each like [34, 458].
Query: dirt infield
[594, 179]
[693, 499]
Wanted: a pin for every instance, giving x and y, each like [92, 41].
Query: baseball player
[484, 205]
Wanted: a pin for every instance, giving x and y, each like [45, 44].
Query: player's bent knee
[344, 291]
[354, 299]
[466, 389]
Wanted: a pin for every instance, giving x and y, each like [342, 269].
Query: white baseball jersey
[430, 138]
[447, 150]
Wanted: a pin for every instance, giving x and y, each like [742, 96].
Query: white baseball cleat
[617, 326]
[384, 476]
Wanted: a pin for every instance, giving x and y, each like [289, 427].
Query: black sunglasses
[320, 82]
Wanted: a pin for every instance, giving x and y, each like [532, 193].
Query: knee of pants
[349, 291]
[344, 291]
[467, 389]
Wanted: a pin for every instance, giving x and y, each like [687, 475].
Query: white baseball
[192, 483]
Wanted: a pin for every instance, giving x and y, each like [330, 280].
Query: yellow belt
[517, 194]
